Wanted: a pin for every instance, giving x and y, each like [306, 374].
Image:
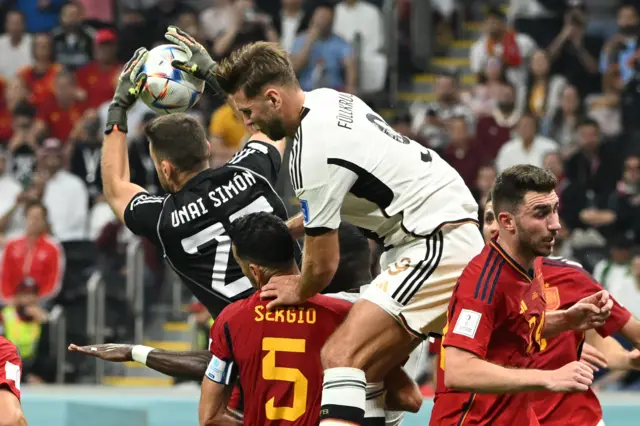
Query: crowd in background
[548, 82]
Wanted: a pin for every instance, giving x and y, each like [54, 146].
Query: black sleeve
[142, 215]
[260, 157]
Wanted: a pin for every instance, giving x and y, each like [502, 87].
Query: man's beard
[274, 129]
[529, 246]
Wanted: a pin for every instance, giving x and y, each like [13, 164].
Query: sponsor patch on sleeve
[304, 206]
[467, 323]
[258, 147]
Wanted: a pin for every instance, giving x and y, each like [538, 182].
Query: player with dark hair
[348, 163]
[10, 372]
[565, 283]
[189, 223]
[497, 320]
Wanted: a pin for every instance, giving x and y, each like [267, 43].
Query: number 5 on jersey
[284, 374]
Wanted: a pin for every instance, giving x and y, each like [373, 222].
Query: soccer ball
[168, 89]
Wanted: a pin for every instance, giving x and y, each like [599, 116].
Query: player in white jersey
[346, 162]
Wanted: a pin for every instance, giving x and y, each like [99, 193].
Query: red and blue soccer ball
[169, 90]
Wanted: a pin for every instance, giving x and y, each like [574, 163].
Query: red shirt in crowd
[566, 283]
[497, 312]
[491, 135]
[248, 340]
[98, 82]
[10, 367]
[40, 85]
[467, 162]
[42, 260]
[60, 121]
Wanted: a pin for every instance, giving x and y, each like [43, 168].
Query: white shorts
[418, 278]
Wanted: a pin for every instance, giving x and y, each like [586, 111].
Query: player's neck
[513, 249]
[188, 176]
[270, 273]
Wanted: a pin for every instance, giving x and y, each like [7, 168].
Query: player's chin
[545, 248]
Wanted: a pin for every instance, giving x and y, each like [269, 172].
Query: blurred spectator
[624, 203]
[98, 78]
[188, 21]
[290, 22]
[616, 276]
[630, 293]
[500, 42]
[542, 90]
[97, 13]
[10, 189]
[462, 152]
[574, 54]
[143, 172]
[134, 116]
[15, 45]
[619, 51]
[540, 19]
[561, 127]
[72, 40]
[112, 244]
[227, 133]
[215, 19]
[429, 121]
[245, 25]
[65, 196]
[39, 77]
[360, 23]
[484, 183]
[592, 173]
[483, 97]
[321, 58]
[24, 141]
[401, 123]
[553, 162]
[61, 111]
[133, 32]
[23, 320]
[41, 15]
[496, 129]
[528, 148]
[15, 92]
[12, 222]
[86, 153]
[602, 16]
[605, 108]
[33, 256]
[164, 13]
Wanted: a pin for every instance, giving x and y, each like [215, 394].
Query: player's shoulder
[8, 351]
[144, 197]
[334, 305]
[558, 270]
[240, 310]
[483, 276]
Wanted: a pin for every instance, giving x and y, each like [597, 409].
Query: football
[168, 89]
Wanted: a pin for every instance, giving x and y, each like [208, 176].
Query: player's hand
[590, 312]
[200, 63]
[634, 359]
[113, 352]
[573, 377]
[130, 83]
[284, 290]
[593, 357]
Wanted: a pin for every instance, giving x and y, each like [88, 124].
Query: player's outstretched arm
[590, 312]
[181, 364]
[615, 355]
[11, 412]
[466, 371]
[117, 187]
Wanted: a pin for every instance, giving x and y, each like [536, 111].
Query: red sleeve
[44, 110]
[50, 285]
[475, 310]
[222, 368]
[10, 367]
[8, 270]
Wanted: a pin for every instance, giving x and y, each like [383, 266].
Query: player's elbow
[12, 417]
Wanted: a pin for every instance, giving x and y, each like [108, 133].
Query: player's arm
[212, 410]
[616, 356]
[117, 187]
[590, 312]
[12, 414]
[181, 364]
[403, 393]
[296, 226]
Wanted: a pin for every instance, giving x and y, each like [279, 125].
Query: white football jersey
[347, 162]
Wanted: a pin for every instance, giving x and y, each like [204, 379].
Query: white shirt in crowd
[9, 191]
[514, 152]
[289, 30]
[621, 284]
[67, 201]
[14, 57]
[479, 55]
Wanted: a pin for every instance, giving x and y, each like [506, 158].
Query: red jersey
[565, 284]
[496, 312]
[10, 367]
[98, 82]
[40, 85]
[43, 261]
[277, 354]
[59, 121]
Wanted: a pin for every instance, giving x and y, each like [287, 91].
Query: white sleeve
[321, 200]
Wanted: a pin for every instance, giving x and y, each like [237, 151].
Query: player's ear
[506, 221]
[256, 273]
[273, 96]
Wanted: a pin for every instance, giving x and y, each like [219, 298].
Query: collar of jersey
[196, 179]
[510, 260]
